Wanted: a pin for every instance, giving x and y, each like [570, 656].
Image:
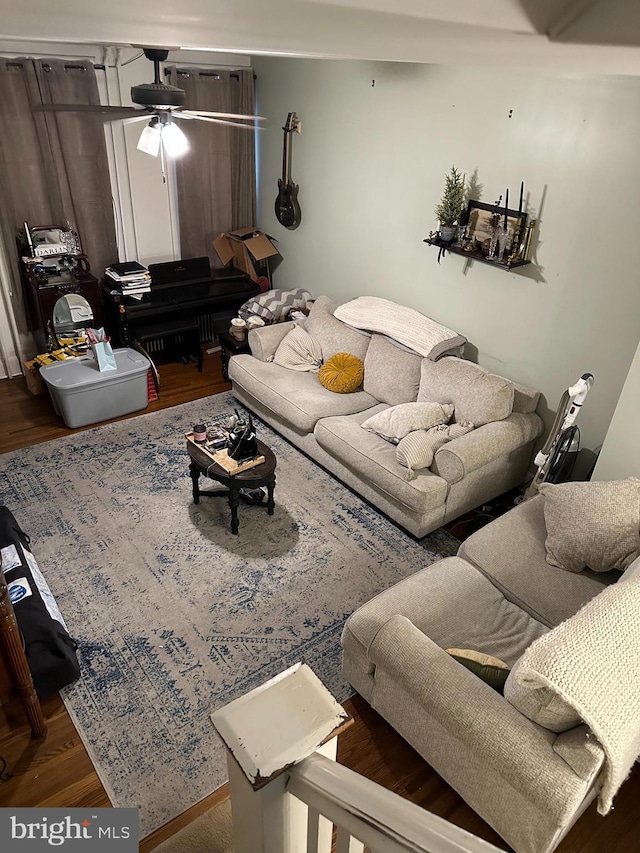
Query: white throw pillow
[417, 449]
[299, 351]
[397, 421]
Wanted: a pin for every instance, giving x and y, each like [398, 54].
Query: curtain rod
[70, 66]
[187, 72]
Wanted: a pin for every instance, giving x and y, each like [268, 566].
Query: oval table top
[252, 478]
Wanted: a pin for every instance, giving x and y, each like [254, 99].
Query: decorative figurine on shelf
[493, 227]
[449, 210]
[467, 241]
[71, 239]
[505, 238]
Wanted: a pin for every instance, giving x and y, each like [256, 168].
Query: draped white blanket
[592, 660]
[416, 331]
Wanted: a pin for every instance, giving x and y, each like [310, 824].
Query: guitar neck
[285, 158]
[290, 125]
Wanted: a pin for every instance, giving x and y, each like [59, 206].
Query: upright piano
[188, 289]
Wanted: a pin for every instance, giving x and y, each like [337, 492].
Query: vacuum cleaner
[556, 459]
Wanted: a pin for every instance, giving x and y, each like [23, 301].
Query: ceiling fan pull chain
[163, 165]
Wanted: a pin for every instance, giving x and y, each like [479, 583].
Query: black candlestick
[506, 205]
[521, 197]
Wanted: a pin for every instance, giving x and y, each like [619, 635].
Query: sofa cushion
[594, 524]
[391, 373]
[456, 607]
[374, 459]
[299, 351]
[540, 704]
[478, 396]
[298, 398]
[510, 552]
[332, 334]
[342, 373]
[394, 423]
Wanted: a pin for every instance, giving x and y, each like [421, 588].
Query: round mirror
[71, 316]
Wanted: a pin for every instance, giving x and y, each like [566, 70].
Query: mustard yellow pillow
[342, 373]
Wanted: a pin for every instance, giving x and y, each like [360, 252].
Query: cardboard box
[32, 375]
[249, 249]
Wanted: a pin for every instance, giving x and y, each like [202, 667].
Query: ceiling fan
[158, 104]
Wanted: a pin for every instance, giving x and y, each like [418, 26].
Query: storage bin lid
[79, 372]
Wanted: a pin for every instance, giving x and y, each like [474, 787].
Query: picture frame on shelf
[479, 229]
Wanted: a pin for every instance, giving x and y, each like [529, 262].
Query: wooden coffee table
[237, 487]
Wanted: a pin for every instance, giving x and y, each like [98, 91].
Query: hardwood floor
[57, 771]
[29, 419]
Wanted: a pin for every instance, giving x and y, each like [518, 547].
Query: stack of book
[132, 278]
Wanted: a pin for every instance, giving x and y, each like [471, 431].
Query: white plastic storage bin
[83, 395]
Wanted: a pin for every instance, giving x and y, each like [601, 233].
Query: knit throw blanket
[416, 331]
[592, 660]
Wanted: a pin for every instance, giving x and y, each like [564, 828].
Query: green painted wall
[376, 141]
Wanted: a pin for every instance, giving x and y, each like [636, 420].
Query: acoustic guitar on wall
[287, 207]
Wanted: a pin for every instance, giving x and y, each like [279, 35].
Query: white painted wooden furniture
[287, 791]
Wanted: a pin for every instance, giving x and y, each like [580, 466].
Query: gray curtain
[216, 178]
[53, 166]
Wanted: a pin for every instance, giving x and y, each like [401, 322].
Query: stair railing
[288, 792]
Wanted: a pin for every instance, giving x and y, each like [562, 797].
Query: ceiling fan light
[149, 141]
[173, 139]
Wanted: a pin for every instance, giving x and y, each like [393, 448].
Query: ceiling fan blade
[222, 115]
[122, 112]
[144, 117]
[216, 121]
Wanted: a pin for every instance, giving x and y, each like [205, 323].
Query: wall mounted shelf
[476, 255]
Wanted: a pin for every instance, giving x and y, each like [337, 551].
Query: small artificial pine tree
[450, 207]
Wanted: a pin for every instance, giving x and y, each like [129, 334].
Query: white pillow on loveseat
[397, 421]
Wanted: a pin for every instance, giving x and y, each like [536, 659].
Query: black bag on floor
[50, 651]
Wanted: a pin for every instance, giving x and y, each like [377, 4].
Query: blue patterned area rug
[175, 616]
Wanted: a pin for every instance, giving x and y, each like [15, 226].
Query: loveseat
[497, 596]
[466, 472]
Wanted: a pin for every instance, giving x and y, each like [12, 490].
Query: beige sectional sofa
[465, 472]
[498, 595]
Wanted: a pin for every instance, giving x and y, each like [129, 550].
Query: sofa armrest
[478, 717]
[582, 752]
[265, 340]
[454, 460]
